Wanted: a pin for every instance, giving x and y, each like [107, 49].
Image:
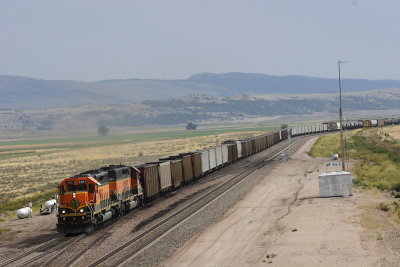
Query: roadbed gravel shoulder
[171, 241]
[282, 221]
[166, 245]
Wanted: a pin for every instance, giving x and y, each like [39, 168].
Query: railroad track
[42, 247]
[82, 251]
[60, 249]
[52, 250]
[102, 235]
[217, 175]
[143, 239]
[42, 252]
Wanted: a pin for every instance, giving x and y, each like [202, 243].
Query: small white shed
[335, 184]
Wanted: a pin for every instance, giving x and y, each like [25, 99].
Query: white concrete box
[335, 184]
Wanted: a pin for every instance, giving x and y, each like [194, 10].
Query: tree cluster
[191, 126]
[103, 130]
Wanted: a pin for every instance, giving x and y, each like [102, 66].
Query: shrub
[380, 162]
[360, 183]
[383, 207]
[382, 187]
[36, 199]
[4, 231]
[396, 187]
[379, 237]
[191, 126]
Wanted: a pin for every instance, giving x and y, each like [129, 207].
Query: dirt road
[283, 222]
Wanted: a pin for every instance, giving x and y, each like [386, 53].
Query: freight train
[93, 197]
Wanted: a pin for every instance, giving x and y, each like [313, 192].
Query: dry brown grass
[4, 231]
[391, 132]
[380, 229]
[27, 175]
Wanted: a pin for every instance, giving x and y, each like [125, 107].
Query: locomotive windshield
[79, 187]
[71, 187]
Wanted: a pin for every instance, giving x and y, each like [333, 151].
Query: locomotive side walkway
[283, 222]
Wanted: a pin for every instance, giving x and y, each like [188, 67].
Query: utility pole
[216, 139]
[342, 156]
[289, 137]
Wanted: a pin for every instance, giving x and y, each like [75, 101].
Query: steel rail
[61, 250]
[174, 219]
[86, 248]
[37, 249]
[40, 255]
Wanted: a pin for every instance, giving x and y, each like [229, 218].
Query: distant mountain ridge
[254, 83]
[29, 93]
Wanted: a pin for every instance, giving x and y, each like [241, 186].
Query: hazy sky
[170, 39]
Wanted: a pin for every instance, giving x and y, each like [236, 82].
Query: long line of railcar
[96, 196]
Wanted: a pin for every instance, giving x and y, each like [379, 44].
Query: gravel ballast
[166, 245]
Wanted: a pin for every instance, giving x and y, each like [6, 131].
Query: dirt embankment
[284, 222]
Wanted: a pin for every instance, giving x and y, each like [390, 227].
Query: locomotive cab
[94, 197]
[76, 194]
[77, 203]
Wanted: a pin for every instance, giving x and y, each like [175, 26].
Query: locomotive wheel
[90, 229]
[121, 210]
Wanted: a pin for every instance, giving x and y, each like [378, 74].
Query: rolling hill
[253, 83]
[201, 109]
[30, 93]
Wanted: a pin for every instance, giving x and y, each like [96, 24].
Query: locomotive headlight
[63, 211]
[81, 210]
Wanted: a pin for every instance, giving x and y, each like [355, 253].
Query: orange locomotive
[94, 197]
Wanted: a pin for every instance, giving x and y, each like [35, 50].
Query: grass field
[31, 169]
[377, 151]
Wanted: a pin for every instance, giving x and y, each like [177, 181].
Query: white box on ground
[335, 184]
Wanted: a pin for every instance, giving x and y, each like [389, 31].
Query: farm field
[31, 167]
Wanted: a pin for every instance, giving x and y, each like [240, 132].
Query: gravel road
[282, 221]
